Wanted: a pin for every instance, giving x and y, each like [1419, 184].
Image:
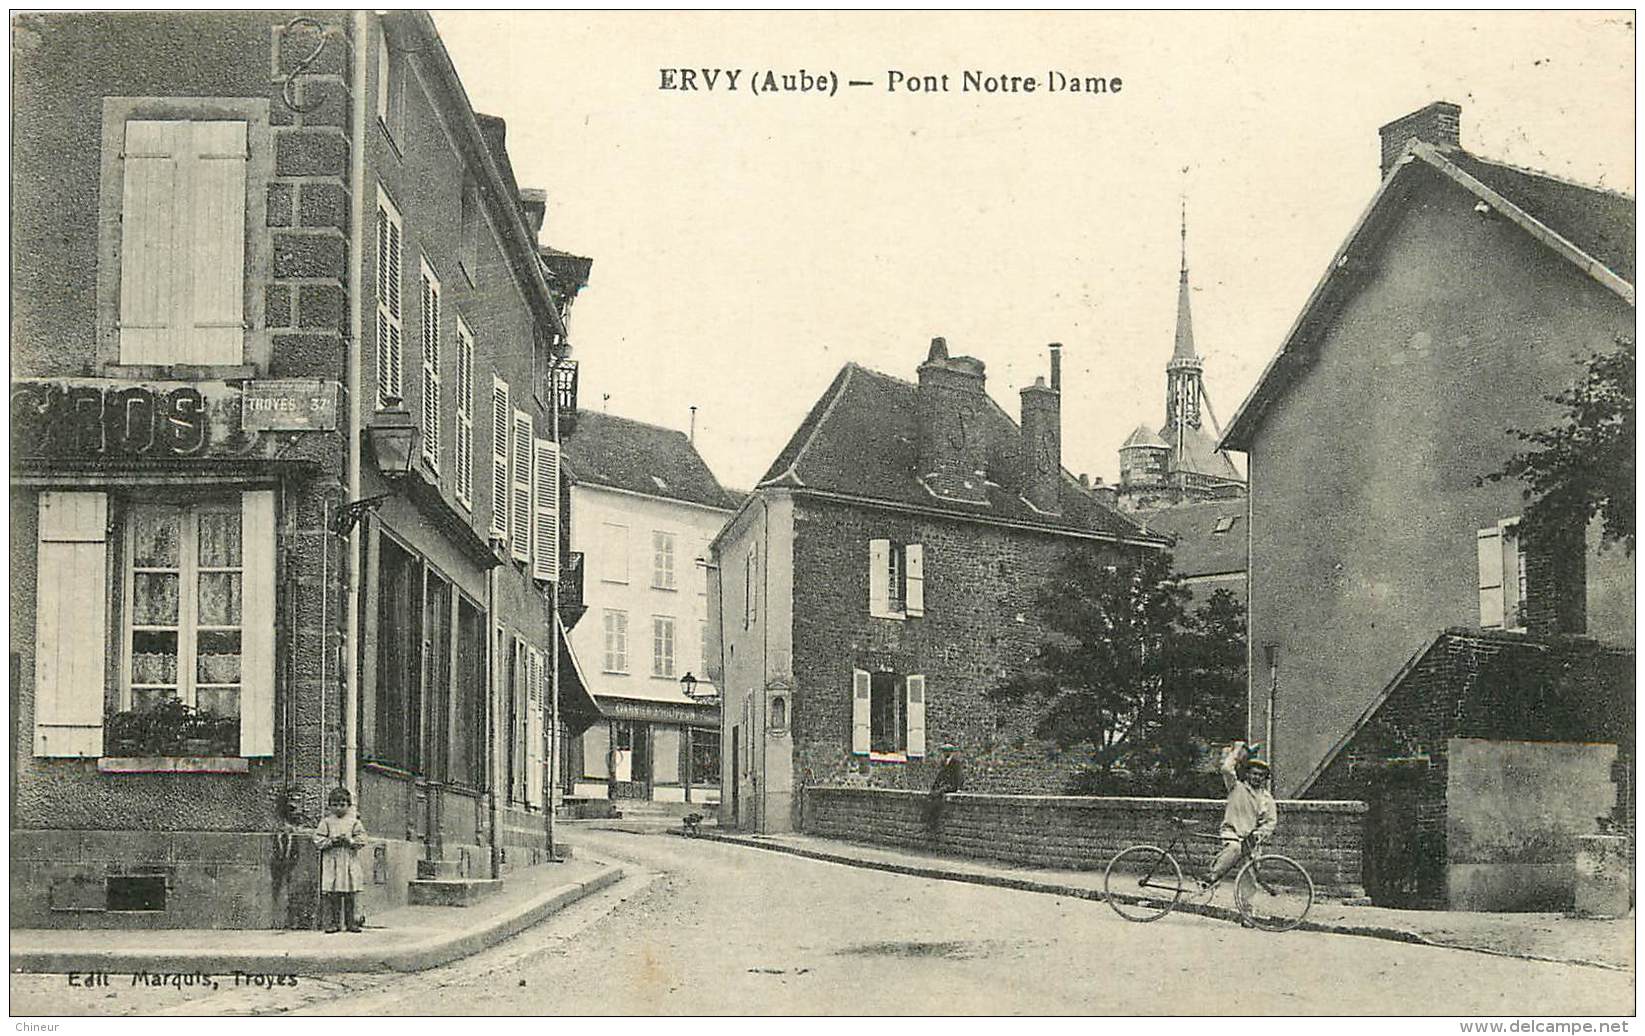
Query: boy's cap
[948, 746]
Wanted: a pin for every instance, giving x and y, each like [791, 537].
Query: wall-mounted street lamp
[688, 686]
[392, 439]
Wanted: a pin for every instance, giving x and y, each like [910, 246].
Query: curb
[1369, 931]
[417, 956]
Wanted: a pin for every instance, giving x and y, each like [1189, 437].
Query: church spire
[1184, 349]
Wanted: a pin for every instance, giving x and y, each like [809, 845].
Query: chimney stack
[1042, 440]
[953, 454]
[1439, 124]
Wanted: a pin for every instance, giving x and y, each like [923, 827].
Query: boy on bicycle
[1250, 817]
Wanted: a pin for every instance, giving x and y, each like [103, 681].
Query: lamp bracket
[349, 515]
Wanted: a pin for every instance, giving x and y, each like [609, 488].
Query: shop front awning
[578, 709]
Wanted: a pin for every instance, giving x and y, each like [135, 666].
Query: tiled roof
[1199, 549]
[861, 439]
[606, 450]
[1599, 222]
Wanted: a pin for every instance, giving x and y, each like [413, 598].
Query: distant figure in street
[950, 778]
[340, 837]
[1250, 817]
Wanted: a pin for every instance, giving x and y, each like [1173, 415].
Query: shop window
[705, 756]
[396, 738]
[468, 739]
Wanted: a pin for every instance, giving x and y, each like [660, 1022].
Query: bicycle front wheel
[1142, 883]
[1273, 893]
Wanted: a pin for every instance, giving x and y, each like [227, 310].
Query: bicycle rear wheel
[1273, 893]
[1142, 883]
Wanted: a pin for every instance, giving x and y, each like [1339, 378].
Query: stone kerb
[1080, 832]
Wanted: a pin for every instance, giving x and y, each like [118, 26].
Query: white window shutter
[1490, 578]
[534, 732]
[914, 592]
[862, 694]
[149, 254]
[545, 556]
[879, 577]
[501, 418]
[390, 389]
[257, 629]
[431, 388]
[463, 446]
[70, 625]
[519, 526]
[216, 214]
[916, 717]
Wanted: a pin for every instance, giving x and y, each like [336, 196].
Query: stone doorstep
[457, 892]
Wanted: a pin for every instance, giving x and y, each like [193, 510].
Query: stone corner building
[881, 578]
[285, 512]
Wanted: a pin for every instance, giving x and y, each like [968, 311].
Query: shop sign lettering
[119, 419]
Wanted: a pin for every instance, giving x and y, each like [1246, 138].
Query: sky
[747, 245]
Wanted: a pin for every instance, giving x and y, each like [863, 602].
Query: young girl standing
[340, 837]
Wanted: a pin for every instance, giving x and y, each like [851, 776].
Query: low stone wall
[1083, 833]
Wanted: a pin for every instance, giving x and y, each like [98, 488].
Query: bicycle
[1144, 883]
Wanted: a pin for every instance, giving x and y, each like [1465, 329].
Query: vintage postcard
[823, 514]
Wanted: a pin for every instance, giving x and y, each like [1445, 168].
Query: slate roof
[861, 439]
[1198, 549]
[1598, 224]
[1144, 436]
[607, 450]
[1200, 455]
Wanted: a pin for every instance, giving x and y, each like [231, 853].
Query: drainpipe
[554, 632]
[492, 641]
[356, 323]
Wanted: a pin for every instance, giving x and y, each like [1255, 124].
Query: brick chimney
[1439, 124]
[1042, 439]
[953, 454]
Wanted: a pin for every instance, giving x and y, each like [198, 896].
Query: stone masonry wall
[979, 626]
[1083, 833]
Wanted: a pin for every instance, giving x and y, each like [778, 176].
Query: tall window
[896, 579]
[397, 736]
[185, 574]
[463, 448]
[616, 641]
[613, 553]
[468, 247]
[662, 560]
[389, 349]
[430, 315]
[390, 91]
[662, 645]
[887, 732]
[468, 741]
[183, 242]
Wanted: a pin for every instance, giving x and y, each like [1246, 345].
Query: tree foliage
[1128, 670]
[1584, 466]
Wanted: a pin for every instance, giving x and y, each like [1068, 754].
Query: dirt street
[707, 928]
